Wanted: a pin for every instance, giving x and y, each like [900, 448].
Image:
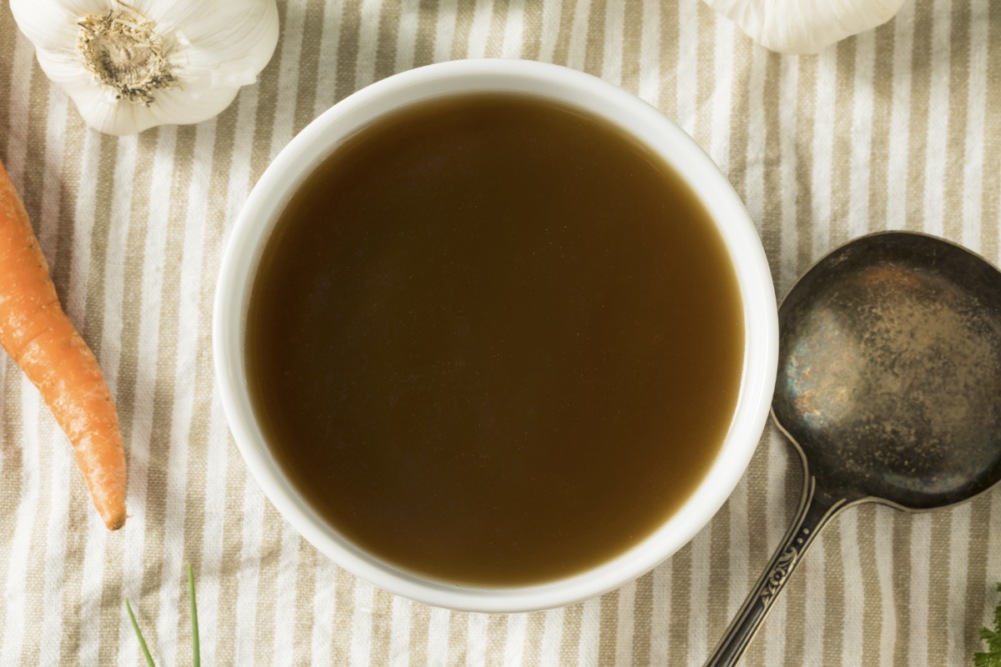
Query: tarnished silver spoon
[889, 387]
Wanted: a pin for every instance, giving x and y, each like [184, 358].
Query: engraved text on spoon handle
[815, 510]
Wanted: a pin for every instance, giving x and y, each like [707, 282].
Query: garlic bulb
[129, 67]
[805, 26]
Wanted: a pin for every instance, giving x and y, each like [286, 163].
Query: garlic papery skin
[129, 67]
[805, 26]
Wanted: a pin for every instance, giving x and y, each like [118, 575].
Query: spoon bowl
[889, 387]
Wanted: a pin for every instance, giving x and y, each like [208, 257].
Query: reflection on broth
[494, 341]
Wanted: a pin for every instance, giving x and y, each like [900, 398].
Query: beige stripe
[660, 639]
[669, 54]
[343, 618]
[69, 183]
[420, 625]
[959, 93]
[389, 27]
[853, 586]
[135, 246]
[918, 129]
[305, 612]
[681, 586]
[608, 628]
[8, 39]
[789, 73]
[991, 211]
[642, 620]
[458, 638]
[956, 580]
[757, 536]
[872, 612]
[562, 49]
[427, 24]
[329, 66]
[805, 107]
[903, 38]
[570, 639]
[978, 580]
[382, 618]
[920, 545]
[632, 46]
[93, 325]
[12, 472]
[740, 114]
[229, 584]
[531, 43]
[902, 587]
[309, 64]
[771, 221]
[594, 46]
[32, 179]
[533, 640]
[718, 602]
[498, 22]
[496, 639]
[834, 592]
[795, 590]
[841, 158]
[938, 588]
[267, 98]
[347, 49]
[882, 108]
[464, 13]
[705, 80]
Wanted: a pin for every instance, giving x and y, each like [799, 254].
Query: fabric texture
[898, 128]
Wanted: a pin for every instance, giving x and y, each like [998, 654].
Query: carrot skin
[36, 333]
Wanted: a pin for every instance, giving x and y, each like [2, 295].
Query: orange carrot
[37, 334]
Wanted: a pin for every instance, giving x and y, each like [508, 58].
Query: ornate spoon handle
[815, 510]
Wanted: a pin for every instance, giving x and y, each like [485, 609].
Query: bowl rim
[281, 178]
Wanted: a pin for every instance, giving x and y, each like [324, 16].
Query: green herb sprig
[196, 651]
[993, 656]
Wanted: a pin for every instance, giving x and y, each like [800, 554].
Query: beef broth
[494, 340]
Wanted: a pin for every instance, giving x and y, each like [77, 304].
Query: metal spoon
[889, 387]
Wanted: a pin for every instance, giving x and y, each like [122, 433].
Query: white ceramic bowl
[315, 142]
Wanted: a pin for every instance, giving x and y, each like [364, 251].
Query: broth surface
[495, 341]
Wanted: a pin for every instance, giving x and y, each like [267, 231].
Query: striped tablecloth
[899, 128]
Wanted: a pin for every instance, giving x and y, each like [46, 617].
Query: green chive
[194, 620]
[142, 642]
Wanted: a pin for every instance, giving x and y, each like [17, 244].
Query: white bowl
[314, 143]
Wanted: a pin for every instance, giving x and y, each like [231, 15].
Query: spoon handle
[815, 510]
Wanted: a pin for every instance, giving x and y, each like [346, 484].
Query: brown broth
[495, 341]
